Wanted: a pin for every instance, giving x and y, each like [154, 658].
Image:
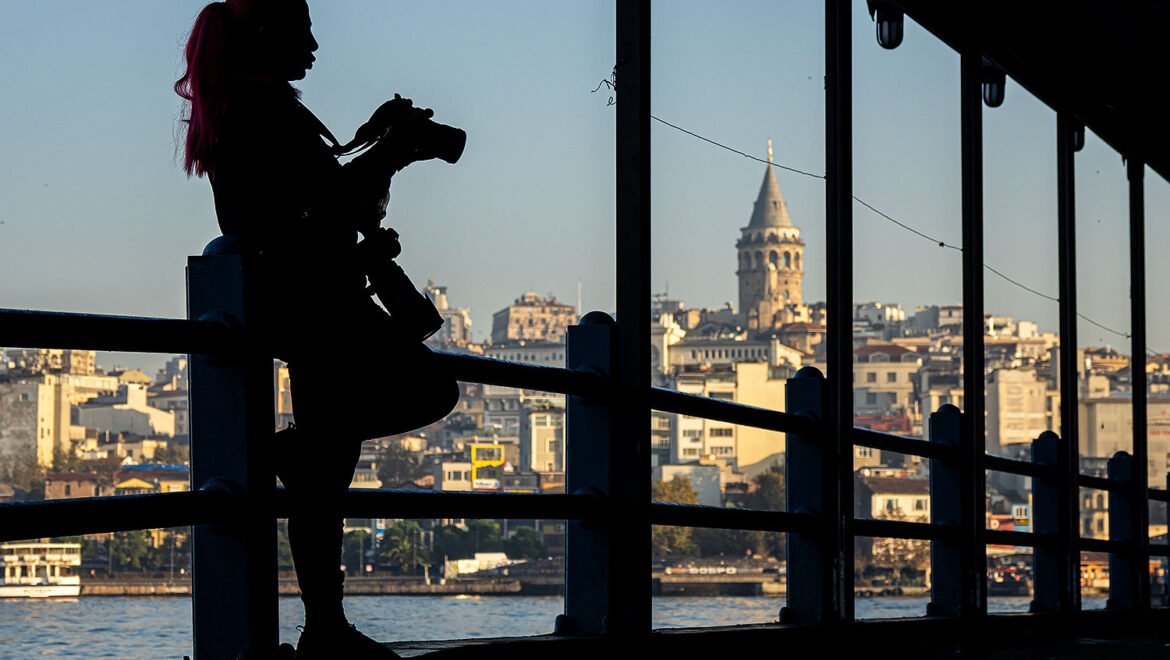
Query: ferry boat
[39, 570]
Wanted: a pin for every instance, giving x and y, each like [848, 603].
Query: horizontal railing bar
[491, 371]
[714, 517]
[902, 529]
[1159, 495]
[1159, 550]
[385, 503]
[1102, 545]
[902, 445]
[1014, 537]
[1013, 466]
[680, 403]
[1101, 483]
[95, 515]
[37, 329]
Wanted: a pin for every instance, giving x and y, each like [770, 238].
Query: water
[161, 627]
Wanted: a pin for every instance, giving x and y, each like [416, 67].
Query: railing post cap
[597, 318]
[1048, 436]
[809, 372]
[1121, 456]
[948, 409]
[223, 245]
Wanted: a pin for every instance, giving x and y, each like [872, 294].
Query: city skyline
[543, 220]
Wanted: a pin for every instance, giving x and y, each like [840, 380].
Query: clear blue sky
[98, 217]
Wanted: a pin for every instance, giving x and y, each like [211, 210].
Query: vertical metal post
[1049, 561]
[808, 471]
[1069, 465]
[630, 549]
[1124, 576]
[839, 260]
[232, 421]
[948, 590]
[973, 477]
[1135, 171]
[589, 444]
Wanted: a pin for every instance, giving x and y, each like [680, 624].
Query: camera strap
[334, 145]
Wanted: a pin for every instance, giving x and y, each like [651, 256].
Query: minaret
[771, 259]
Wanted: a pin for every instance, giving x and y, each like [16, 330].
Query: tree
[672, 541]
[65, 459]
[485, 535]
[906, 557]
[452, 543]
[398, 464]
[768, 494]
[729, 542]
[284, 558]
[401, 547]
[526, 544]
[130, 550]
[353, 550]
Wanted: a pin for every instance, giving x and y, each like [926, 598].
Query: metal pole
[1126, 569]
[947, 588]
[630, 548]
[839, 260]
[974, 560]
[589, 430]
[1135, 170]
[232, 421]
[1049, 564]
[1069, 463]
[807, 469]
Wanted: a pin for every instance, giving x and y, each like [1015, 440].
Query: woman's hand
[397, 114]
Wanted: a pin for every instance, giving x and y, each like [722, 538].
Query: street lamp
[890, 23]
[994, 81]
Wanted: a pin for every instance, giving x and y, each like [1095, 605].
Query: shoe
[340, 642]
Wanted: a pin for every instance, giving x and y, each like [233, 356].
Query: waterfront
[160, 627]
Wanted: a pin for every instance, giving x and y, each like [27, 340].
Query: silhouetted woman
[280, 191]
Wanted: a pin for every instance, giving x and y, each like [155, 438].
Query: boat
[40, 570]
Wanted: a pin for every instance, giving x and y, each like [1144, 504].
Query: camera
[446, 142]
[425, 134]
[414, 313]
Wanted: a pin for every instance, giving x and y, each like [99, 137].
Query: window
[68, 490]
[552, 445]
[692, 433]
[920, 504]
[891, 505]
[891, 377]
[870, 399]
[871, 377]
[691, 452]
[722, 433]
[864, 452]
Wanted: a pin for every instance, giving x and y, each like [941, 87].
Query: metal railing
[234, 503]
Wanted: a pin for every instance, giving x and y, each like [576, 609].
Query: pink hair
[219, 55]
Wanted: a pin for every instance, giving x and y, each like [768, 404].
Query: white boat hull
[40, 590]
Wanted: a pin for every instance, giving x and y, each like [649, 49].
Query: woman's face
[287, 43]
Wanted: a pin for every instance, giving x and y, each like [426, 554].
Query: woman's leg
[335, 411]
[317, 473]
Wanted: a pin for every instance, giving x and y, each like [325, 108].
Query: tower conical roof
[770, 210]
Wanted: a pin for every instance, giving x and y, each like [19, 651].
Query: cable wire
[889, 218]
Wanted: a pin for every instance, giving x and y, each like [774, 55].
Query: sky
[96, 214]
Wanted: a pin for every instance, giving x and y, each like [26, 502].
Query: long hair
[221, 60]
